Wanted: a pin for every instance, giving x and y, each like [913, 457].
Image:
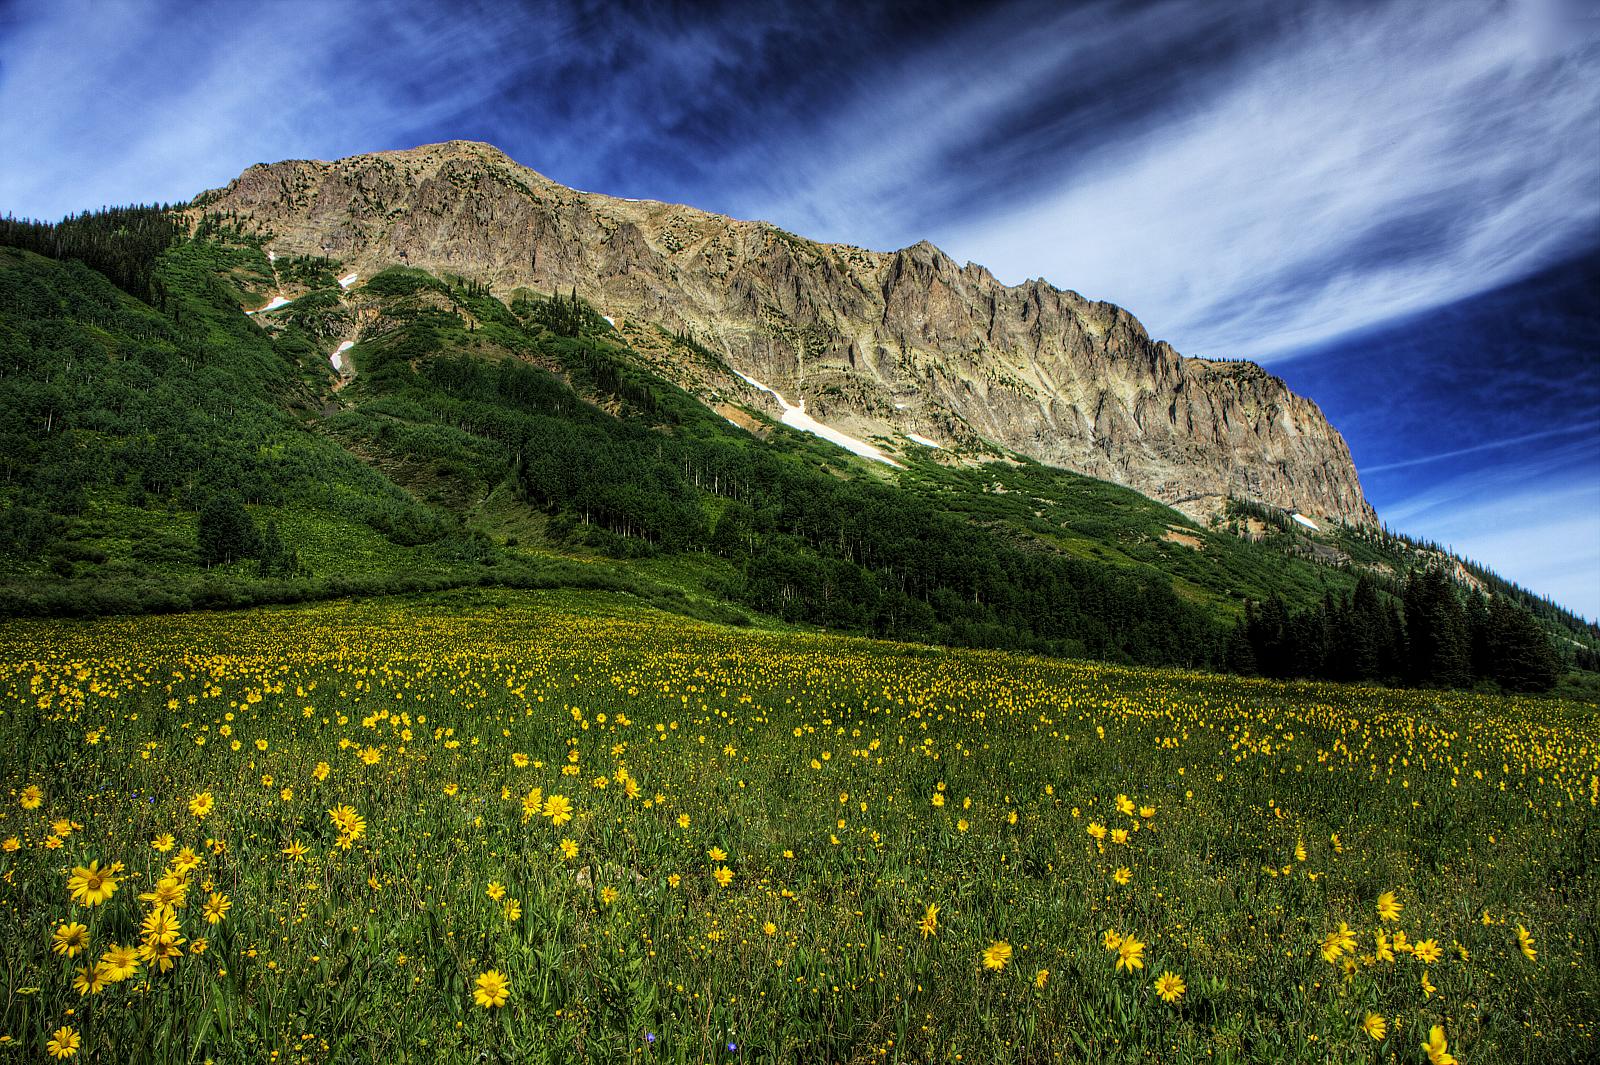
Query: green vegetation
[123, 243]
[519, 815]
[147, 447]
[493, 826]
[1440, 638]
[664, 476]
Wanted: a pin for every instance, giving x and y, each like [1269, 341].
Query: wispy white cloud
[1573, 463]
[1534, 519]
[1344, 168]
[108, 102]
[906, 153]
[1545, 538]
[1246, 181]
[1490, 445]
[1358, 169]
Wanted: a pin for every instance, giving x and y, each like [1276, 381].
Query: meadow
[501, 826]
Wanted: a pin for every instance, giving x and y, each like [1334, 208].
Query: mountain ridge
[881, 345]
[196, 421]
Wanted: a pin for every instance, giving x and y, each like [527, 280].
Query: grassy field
[337, 831]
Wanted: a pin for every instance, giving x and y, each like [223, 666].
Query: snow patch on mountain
[795, 417]
[277, 301]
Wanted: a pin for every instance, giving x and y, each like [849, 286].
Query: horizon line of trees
[123, 243]
[1433, 636]
[1393, 542]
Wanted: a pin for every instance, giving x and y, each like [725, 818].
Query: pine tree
[1480, 649]
[1364, 627]
[1270, 638]
[1240, 656]
[1394, 649]
[1436, 630]
[1523, 660]
[225, 532]
[276, 560]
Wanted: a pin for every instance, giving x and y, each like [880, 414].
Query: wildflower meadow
[497, 826]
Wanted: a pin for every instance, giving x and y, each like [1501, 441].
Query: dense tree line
[806, 545]
[225, 532]
[1434, 635]
[1381, 543]
[656, 474]
[123, 243]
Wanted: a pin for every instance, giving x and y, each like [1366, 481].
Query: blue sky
[1393, 205]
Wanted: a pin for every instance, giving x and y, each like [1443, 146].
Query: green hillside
[161, 449]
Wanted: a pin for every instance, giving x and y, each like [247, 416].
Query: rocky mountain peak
[897, 347]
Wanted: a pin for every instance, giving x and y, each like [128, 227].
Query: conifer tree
[225, 531]
[1522, 658]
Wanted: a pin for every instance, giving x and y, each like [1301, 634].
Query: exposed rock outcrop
[878, 343]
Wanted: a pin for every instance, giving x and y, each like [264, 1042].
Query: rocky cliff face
[879, 345]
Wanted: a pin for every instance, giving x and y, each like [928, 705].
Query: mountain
[193, 414]
[903, 349]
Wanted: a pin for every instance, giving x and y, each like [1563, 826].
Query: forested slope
[160, 448]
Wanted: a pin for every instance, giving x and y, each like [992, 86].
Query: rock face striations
[878, 344]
